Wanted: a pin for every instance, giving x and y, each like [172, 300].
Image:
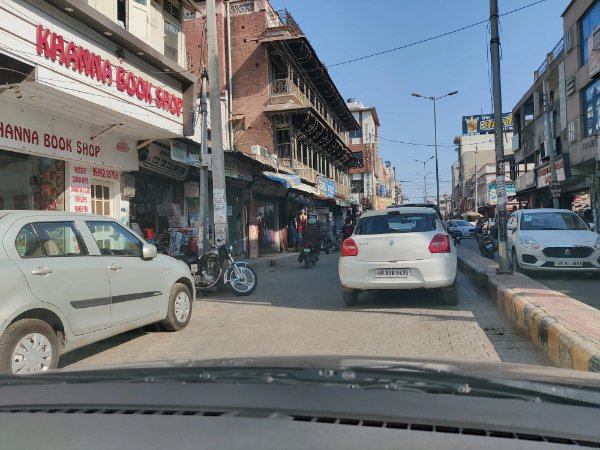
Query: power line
[422, 41]
[433, 145]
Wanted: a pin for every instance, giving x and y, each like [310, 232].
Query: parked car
[399, 248]
[462, 227]
[72, 279]
[552, 239]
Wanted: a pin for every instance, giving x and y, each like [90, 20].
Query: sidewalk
[567, 330]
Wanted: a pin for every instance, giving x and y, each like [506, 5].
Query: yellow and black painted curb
[565, 347]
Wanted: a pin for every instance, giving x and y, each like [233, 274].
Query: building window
[355, 133]
[589, 22]
[283, 143]
[101, 200]
[591, 108]
[172, 41]
[359, 156]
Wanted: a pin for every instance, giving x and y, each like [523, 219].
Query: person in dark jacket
[347, 229]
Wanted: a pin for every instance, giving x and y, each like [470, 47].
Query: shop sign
[544, 174]
[79, 188]
[326, 187]
[158, 159]
[41, 134]
[105, 173]
[509, 187]
[122, 146]
[484, 124]
[55, 47]
[185, 153]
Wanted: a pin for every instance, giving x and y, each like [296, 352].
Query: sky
[340, 30]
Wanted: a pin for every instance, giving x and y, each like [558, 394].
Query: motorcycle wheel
[307, 263]
[244, 285]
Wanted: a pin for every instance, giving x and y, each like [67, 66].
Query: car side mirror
[149, 251]
[592, 226]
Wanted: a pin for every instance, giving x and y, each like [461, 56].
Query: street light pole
[437, 173]
[424, 177]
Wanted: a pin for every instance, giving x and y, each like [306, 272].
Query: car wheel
[450, 294]
[350, 298]
[179, 310]
[28, 346]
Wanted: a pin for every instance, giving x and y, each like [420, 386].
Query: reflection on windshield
[552, 221]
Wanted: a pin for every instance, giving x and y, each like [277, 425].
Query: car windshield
[396, 223]
[552, 221]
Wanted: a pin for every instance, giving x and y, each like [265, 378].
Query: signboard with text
[484, 124]
[158, 159]
[544, 173]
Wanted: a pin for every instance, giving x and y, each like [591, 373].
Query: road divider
[567, 330]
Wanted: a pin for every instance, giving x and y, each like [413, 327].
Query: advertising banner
[484, 124]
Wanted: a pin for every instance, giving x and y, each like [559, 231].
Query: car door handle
[42, 271]
[115, 267]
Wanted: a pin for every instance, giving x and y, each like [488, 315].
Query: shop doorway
[267, 221]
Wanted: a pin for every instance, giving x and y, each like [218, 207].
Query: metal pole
[203, 207]
[424, 185]
[218, 156]
[503, 255]
[437, 173]
[549, 134]
[229, 80]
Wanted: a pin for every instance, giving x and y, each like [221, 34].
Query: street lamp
[424, 178]
[437, 173]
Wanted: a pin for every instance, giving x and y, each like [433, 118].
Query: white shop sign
[78, 186]
[544, 174]
[28, 131]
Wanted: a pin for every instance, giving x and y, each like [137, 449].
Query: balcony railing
[556, 51]
[282, 18]
[286, 86]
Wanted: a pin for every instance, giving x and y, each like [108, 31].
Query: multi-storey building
[364, 143]
[476, 148]
[84, 86]
[285, 113]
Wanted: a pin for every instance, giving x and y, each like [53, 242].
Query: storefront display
[31, 182]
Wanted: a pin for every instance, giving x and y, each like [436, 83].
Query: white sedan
[463, 227]
[552, 239]
[404, 248]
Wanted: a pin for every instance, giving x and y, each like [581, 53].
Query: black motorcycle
[486, 245]
[327, 244]
[309, 255]
[217, 265]
[456, 236]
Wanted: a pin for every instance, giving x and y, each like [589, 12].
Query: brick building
[285, 113]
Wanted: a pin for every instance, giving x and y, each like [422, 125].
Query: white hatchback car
[552, 239]
[72, 279]
[404, 248]
[463, 227]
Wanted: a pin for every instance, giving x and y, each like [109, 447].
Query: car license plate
[392, 273]
[567, 263]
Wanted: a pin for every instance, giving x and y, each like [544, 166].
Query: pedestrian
[347, 229]
[312, 235]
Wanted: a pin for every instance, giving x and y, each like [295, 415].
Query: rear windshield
[396, 223]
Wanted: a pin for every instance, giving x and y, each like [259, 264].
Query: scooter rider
[312, 234]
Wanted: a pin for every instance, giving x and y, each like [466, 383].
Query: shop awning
[286, 179]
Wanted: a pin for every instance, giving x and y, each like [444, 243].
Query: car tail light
[349, 247]
[440, 244]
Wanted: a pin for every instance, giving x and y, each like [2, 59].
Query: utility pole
[203, 209]
[437, 172]
[503, 262]
[218, 156]
[549, 145]
[476, 183]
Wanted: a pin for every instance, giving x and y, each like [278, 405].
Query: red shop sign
[53, 46]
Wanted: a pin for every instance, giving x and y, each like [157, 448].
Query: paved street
[299, 311]
[581, 286]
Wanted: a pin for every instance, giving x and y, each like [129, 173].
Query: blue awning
[287, 179]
